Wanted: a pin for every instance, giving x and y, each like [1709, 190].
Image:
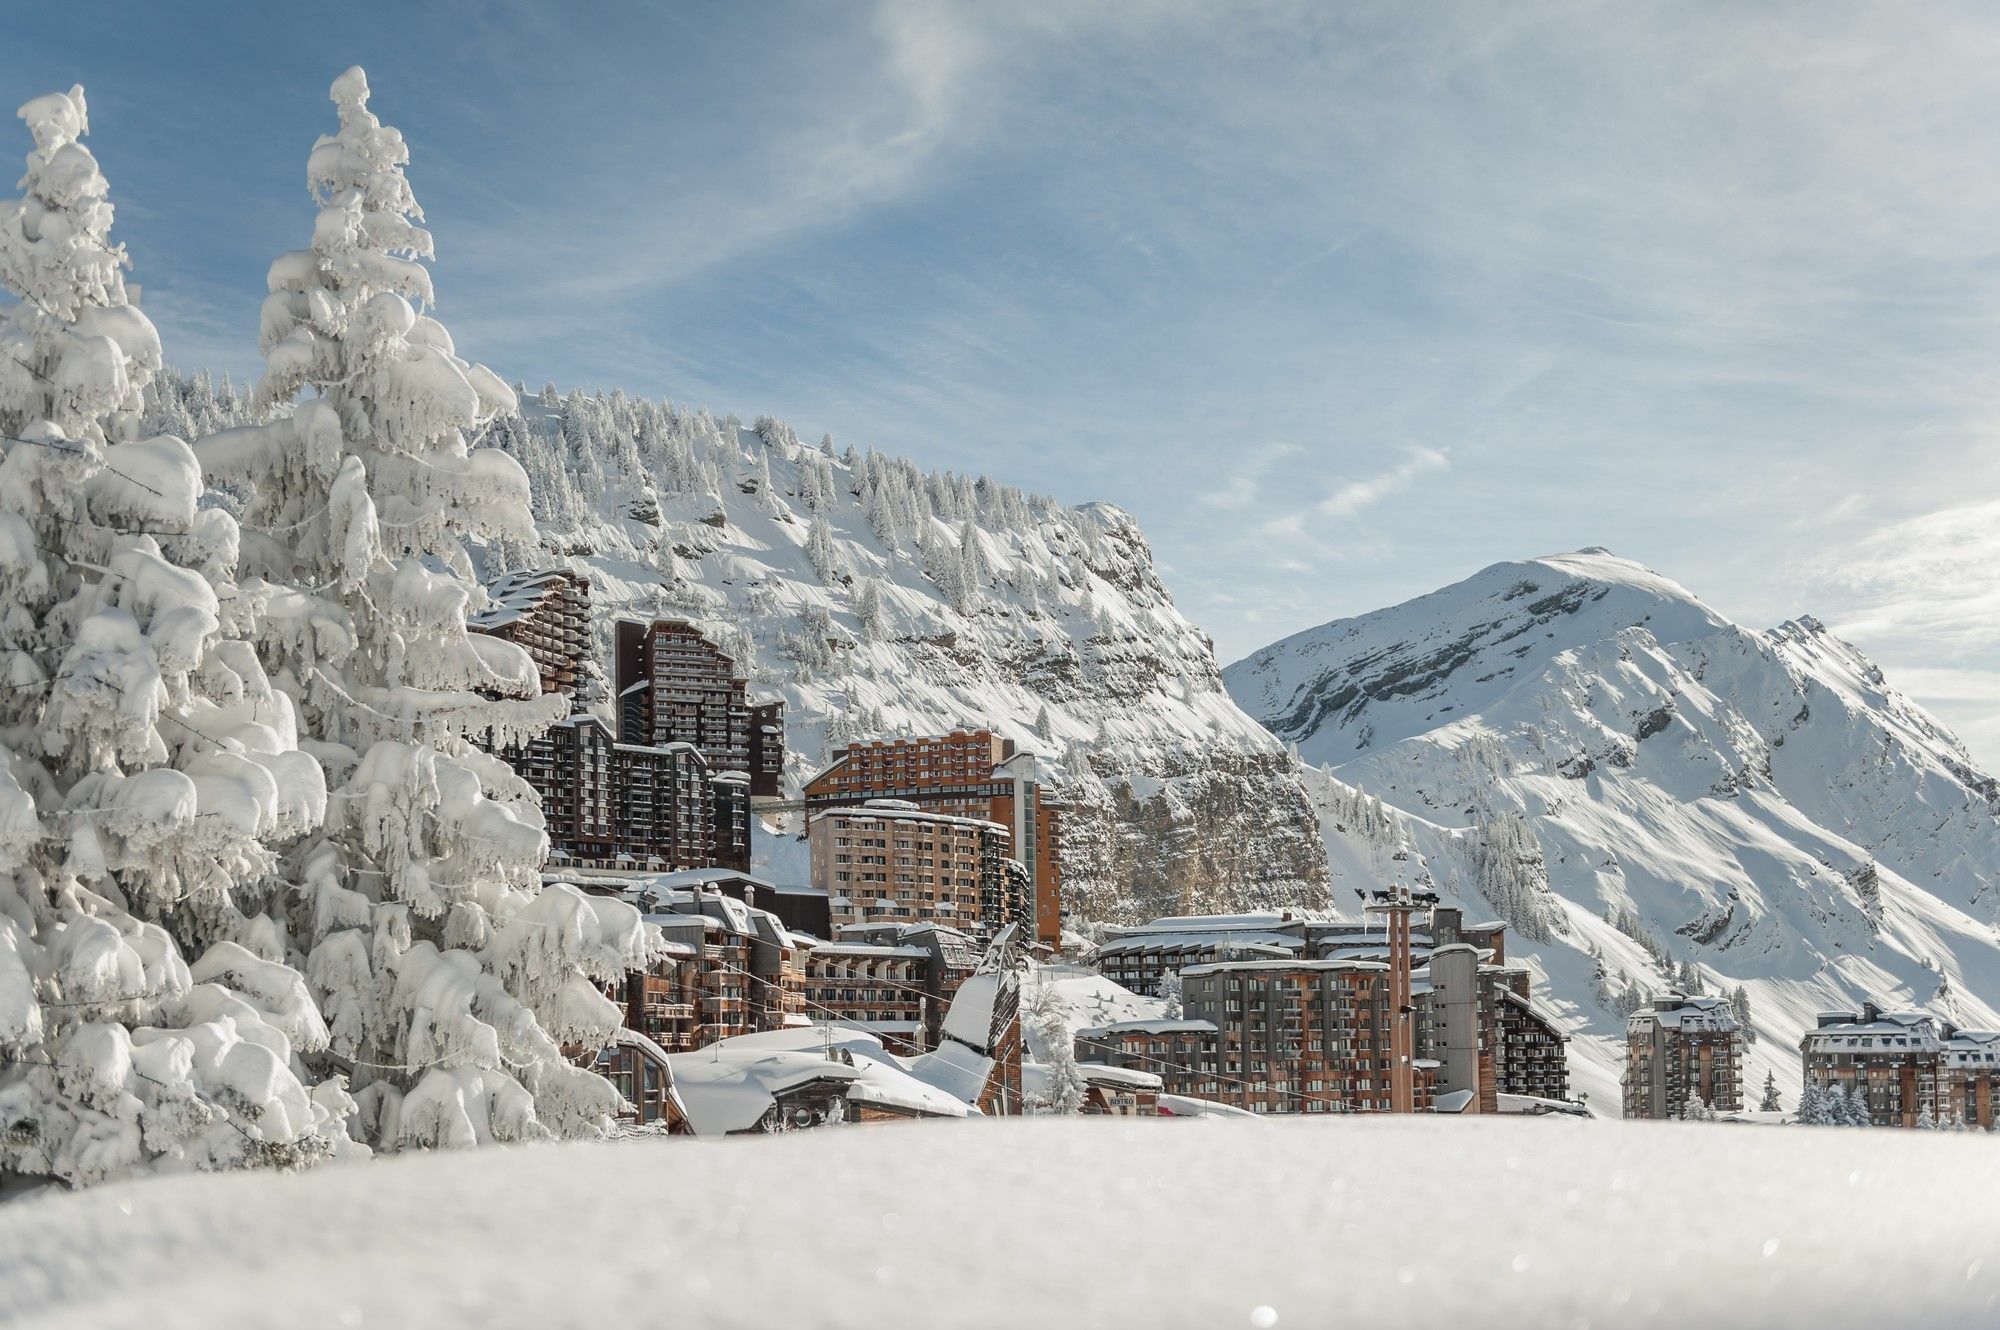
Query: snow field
[1042, 1222]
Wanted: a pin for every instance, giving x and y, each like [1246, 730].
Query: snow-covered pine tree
[1172, 996]
[869, 611]
[1813, 1108]
[1739, 1005]
[1770, 1103]
[149, 773]
[450, 978]
[1513, 877]
[1064, 1090]
[972, 561]
[821, 550]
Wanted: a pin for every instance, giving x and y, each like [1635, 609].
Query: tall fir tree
[149, 773]
[450, 978]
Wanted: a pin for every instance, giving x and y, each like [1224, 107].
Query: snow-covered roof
[1296, 963]
[1116, 1028]
[731, 1084]
[872, 950]
[1101, 1073]
[1874, 1029]
[514, 595]
[969, 1018]
[894, 810]
[1186, 1106]
[1686, 1012]
[728, 1089]
[954, 1069]
[1267, 943]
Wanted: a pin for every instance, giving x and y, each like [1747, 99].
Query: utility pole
[1398, 904]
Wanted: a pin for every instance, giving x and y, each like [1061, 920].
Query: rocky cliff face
[1649, 793]
[880, 600]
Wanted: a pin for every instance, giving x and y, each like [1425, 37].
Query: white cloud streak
[1360, 495]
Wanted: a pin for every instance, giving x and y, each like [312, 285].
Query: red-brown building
[671, 685]
[614, 805]
[876, 987]
[1682, 1048]
[1905, 1067]
[967, 773]
[547, 613]
[1300, 1036]
[670, 787]
[888, 861]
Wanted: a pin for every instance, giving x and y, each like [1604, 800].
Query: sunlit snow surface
[1046, 1223]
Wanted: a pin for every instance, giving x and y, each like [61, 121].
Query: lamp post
[1397, 904]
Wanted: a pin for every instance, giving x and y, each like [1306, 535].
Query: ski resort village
[477, 853]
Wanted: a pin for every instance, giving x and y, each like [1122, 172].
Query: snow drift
[1214, 1222]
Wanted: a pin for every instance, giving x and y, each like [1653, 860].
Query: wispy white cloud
[1929, 582]
[1359, 495]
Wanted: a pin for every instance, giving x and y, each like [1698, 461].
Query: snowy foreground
[1055, 1223]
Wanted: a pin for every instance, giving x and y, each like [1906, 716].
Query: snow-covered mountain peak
[1641, 786]
[1378, 678]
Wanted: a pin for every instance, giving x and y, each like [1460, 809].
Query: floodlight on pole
[1397, 904]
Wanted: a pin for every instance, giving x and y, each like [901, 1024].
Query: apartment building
[1182, 1053]
[547, 613]
[950, 957]
[743, 968]
[1681, 1048]
[1300, 1036]
[671, 685]
[889, 861]
[1905, 1066]
[966, 773]
[609, 804]
[1140, 956]
[1533, 1054]
[669, 787]
[1476, 1026]
[876, 987]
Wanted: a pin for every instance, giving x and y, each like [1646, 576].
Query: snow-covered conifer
[1064, 1088]
[449, 978]
[149, 773]
[1770, 1102]
[820, 549]
[1739, 1005]
[869, 610]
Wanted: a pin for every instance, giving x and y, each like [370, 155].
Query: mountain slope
[1641, 786]
[880, 600]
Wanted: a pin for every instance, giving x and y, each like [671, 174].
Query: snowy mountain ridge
[879, 600]
[1646, 790]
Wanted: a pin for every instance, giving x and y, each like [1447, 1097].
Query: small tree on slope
[148, 770]
[1065, 1089]
[450, 979]
[1770, 1102]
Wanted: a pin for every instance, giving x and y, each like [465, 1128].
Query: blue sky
[1342, 301]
